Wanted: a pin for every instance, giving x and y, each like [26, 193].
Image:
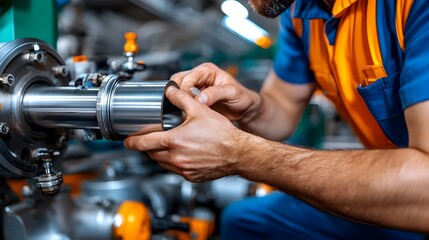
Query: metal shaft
[132, 107]
[61, 107]
[118, 108]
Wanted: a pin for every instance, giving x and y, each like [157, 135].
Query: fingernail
[195, 91]
[202, 97]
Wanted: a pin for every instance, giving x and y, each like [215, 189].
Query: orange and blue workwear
[370, 57]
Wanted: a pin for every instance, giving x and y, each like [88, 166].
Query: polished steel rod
[118, 108]
[65, 107]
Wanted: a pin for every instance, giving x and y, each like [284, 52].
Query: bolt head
[61, 70]
[7, 80]
[4, 128]
[10, 79]
[36, 57]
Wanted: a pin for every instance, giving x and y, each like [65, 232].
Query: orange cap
[130, 42]
[135, 222]
[80, 58]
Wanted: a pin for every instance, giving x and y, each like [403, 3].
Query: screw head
[10, 79]
[4, 128]
[7, 80]
[36, 57]
[61, 70]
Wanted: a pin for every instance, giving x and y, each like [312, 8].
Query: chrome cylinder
[125, 108]
[118, 108]
[61, 107]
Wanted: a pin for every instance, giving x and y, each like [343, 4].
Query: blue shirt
[370, 57]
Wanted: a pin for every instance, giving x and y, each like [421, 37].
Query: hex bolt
[61, 70]
[4, 128]
[36, 57]
[7, 80]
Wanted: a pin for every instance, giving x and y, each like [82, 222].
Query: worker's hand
[203, 148]
[219, 90]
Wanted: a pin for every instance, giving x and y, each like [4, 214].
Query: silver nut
[49, 183]
[36, 57]
[7, 79]
[4, 128]
[61, 70]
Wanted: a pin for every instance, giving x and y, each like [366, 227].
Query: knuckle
[178, 161]
[172, 142]
[175, 76]
[179, 75]
[233, 90]
[213, 91]
[173, 159]
[140, 145]
[190, 79]
[134, 144]
[207, 69]
[208, 65]
[189, 176]
[153, 155]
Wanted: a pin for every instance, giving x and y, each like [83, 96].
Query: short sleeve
[414, 81]
[291, 62]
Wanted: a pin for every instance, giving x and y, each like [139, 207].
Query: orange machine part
[130, 42]
[135, 224]
[200, 229]
[80, 58]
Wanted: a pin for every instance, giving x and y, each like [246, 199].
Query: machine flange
[28, 62]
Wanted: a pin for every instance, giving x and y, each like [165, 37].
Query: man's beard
[270, 8]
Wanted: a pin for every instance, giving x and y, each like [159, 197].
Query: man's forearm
[269, 111]
[385, 187]
[275, 112]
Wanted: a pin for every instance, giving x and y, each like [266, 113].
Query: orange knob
[80, 58]
[134, 222]
[130, 42]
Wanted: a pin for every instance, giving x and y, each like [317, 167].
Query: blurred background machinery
[78, 76]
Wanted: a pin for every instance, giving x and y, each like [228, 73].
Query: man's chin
[270, 8]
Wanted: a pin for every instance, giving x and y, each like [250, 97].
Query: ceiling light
[234, 9]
